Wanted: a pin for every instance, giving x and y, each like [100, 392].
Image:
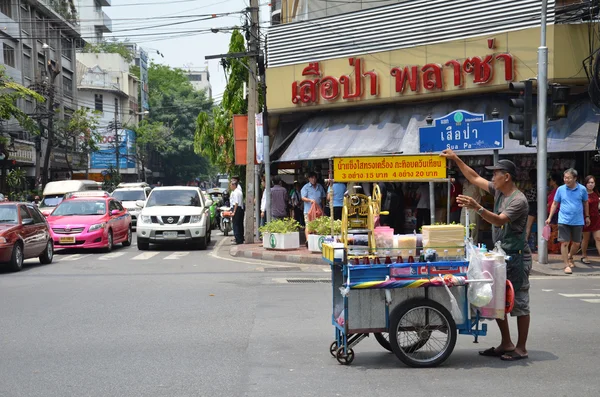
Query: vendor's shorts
[521, 307]
[568, 233]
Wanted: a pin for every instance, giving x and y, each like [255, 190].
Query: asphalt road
[181, 322]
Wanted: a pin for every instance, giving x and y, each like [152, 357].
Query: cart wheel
[384, 340]
[344, 359]
[423, 333]
[333, 348]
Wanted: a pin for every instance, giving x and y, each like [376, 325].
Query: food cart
[409, 292]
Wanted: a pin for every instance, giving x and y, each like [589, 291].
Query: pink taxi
[90, 220]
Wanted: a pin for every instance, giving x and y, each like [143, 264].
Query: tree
[149, 137]
[175, 104]
[112, 46]
[10, 93]
[78, 133]
[214, 133]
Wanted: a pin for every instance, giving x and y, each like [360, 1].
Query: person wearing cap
[509, 221]
[574, 213]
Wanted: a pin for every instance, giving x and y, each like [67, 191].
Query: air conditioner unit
[276, 17]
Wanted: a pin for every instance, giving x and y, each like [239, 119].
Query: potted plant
[281, 234]
[319, 229]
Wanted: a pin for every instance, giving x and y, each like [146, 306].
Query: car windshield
[129, 195]
[8, 214]
[52, 200]
[80, 207]
[174, 197]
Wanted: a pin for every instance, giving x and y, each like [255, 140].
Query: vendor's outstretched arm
[467, 171]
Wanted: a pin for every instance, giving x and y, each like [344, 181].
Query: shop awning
[395, 130]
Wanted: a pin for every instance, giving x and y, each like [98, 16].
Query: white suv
[174, 214]
[128, 196]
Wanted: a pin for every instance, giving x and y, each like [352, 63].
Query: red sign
[358, 82]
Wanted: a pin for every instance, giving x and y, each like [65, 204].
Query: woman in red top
[594, 227]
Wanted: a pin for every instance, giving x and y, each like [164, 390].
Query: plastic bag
[479, 294]
[546, 232]
[456, 312]
[498, 249]
[314, 212]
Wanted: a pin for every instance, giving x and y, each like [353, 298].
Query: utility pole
[542, 143]
[52, 73]
[251, 188]
[117, 143]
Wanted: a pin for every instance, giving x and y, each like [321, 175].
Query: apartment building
[200, 81]
[33, 33]
[94, 21]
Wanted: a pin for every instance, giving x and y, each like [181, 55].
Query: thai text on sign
[394, 168]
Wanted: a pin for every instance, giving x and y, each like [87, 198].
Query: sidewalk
[303, 256]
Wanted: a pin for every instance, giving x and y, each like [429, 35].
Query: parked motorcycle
[226, 220]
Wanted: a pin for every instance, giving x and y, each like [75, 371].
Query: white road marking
[591, 300]
[177, 255]
[111, 256]
[144, 256]
[328, 270]
[73, 257]
[581, 295]
[547, 290]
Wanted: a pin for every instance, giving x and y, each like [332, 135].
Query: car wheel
[109, 245]
[143, 245]
[16, 261]
[127, 242]
[203, 242]
[48, 254]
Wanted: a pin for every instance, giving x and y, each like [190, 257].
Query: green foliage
[175, 104]
[16, 180]
[214, 133]
[112, 46]
[65, 8]
[111, 179]
[287, 225]
[10, 92]
[322, 226]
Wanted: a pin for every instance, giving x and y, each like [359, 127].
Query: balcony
[103, 22]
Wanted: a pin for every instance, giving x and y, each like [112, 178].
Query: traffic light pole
[542, 143]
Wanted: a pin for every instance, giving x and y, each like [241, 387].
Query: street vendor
[509, 220]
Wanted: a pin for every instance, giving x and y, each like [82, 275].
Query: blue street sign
[461, 130]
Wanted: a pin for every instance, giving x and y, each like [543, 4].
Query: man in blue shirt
[573, 200]
[311, 193]
[337, 190]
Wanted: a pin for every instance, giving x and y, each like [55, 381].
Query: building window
[67, 83]
[27, 64]
[98, 102]
[29, 107]
[9, 55]
[66, 47]
[25, 19]
[6, 7]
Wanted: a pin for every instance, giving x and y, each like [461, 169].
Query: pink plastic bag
[546, 232]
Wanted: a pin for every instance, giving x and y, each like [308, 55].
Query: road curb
[277, 256]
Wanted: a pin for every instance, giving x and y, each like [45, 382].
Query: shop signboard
[389, 168]
[462, 130]
[23, 152]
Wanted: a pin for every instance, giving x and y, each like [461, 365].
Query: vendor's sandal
[513, 356]
[568, 270]
[492, 352]
[585, 261]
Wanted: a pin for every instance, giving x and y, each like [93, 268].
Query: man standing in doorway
[279, 199]
[237, 202]
[509, 221]
[312, 192]
[573, 200]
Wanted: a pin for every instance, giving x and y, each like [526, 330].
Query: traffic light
[524, 115]
[559, 102]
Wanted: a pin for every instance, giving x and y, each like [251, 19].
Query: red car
[24, 234]
[90, 220]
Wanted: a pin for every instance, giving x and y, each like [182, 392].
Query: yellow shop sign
[390, 168]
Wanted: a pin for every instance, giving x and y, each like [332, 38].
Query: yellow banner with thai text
[389, 169]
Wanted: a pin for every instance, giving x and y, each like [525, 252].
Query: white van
[54, 192]
[128, 194]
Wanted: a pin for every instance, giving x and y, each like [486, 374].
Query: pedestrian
[296, 204]
[263, 203]
[573, 214]
[423, 206]
[279, 199]
[508, 221]
[553, 183]
[594, 227]
[237, 201]
[531, 196]
[336, 191]
[312, 193]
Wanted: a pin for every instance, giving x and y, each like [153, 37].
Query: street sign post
[462, 130]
